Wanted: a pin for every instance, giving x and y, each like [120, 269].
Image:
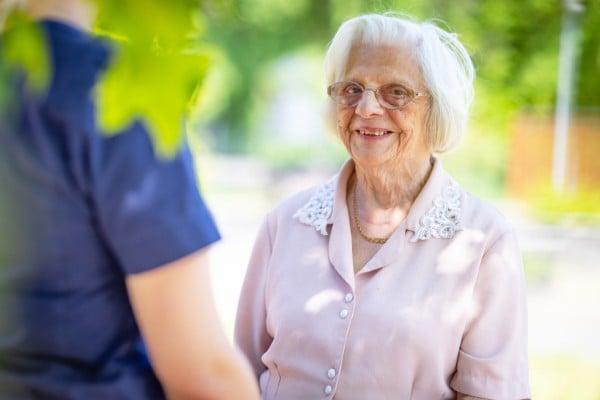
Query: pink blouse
[440, 308]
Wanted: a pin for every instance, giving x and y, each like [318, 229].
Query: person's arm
[188, 348]
[250, 332]
[492, 359]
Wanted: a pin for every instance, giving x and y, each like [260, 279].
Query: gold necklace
[362, 233]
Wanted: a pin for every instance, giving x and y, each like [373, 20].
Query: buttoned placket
[345, 313]
[341, 261]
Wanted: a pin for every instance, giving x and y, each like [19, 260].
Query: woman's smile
[373, 132]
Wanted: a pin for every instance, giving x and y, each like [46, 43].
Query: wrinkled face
[377, 137]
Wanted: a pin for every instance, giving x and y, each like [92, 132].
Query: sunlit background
[532, 149]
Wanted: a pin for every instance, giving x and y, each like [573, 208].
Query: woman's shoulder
[318, 195]
[482, 214]
[313, 207]
[445, 204]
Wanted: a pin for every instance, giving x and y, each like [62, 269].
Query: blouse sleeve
[492, 361]
[251, 333]
[149, 208]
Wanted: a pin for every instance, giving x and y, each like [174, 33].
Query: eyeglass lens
[389, 95]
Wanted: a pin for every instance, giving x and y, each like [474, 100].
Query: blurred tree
[514, 45]
[251, 33]
[165, 51]
[589, 82]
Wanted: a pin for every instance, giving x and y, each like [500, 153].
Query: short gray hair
[446, 67]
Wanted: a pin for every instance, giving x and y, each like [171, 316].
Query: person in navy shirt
[104, 288]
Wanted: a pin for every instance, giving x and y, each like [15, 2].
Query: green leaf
[156, 69]
[24, 48]
[156, 88]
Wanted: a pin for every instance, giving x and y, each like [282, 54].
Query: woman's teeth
[372, 133]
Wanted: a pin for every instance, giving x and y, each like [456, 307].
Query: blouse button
[343, 313]
[328, 389]
[349, 297]
[331, 373]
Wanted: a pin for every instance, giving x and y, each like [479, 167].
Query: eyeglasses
[390, 95]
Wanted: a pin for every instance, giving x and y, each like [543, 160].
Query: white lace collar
[441, 221]
[319, 208]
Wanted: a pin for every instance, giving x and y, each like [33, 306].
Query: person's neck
[78, 13]
[388, 188]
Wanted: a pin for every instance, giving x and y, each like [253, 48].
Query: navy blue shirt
[79, 211]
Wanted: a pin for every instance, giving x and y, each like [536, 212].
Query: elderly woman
[389, 281]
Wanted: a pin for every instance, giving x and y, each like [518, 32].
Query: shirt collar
[435, 212]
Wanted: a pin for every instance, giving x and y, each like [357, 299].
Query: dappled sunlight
[314, 255]
[321, 300]
[457, 258]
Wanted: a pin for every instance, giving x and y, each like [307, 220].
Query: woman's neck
[387, 188]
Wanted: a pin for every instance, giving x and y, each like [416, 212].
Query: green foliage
[157, 67]
[588, 88]
[251, 34]
[580, 207]
[23, 47]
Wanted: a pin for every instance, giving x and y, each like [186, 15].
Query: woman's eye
[398, 91]
[353, 89]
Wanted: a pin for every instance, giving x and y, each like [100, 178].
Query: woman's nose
[369, 106]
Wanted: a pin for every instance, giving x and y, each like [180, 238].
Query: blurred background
[532, 148]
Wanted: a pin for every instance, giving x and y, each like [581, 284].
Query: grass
[564, 377]
[579, 207]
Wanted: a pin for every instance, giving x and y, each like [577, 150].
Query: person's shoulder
[313, 207]
[453, 200]
[481, 214]
[298, 200]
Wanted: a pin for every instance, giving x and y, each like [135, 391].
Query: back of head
[445, 65]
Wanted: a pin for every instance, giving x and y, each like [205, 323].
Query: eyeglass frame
[412, 94]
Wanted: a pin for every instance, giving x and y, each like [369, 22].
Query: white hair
[445, 65]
